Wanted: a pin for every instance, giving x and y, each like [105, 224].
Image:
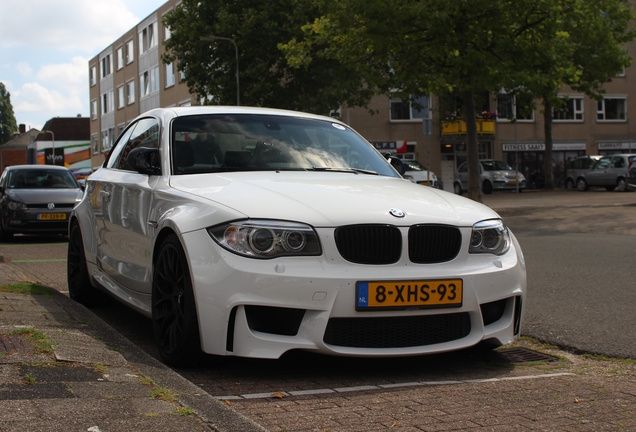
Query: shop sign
[538, 147]
[615, 145]
[390, 146]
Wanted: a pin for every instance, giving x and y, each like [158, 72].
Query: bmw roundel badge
[397, 213]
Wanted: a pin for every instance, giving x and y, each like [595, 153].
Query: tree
[256, 27]
[430, 46]
[581, 45]
[8, 124]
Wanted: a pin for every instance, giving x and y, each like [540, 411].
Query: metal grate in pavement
[525, 355]
[12, 344]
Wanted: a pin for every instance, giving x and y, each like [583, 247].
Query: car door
[126, 237]
[618, 169]
[598, 176]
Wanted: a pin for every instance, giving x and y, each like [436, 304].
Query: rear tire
[621, 185]
[487, 187]
[569, 184]
[80, 288]
[174, 313]
[581, 185]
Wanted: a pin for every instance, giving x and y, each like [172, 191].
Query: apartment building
[128, 78]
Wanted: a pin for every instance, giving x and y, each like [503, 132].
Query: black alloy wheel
[174, 314]
[80, 288]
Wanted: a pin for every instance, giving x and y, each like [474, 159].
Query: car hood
[331, 199]
[40, 196]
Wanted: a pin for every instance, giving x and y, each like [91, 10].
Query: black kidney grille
[369, 244]
[429, 244]
[397, 332]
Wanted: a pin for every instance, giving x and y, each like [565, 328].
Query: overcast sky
[45, 46]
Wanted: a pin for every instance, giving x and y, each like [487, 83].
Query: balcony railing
[458, 127]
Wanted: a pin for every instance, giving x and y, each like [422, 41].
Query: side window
[146, 134]
[619, 162]
[463, 168]
[603, 163]
[119, 145]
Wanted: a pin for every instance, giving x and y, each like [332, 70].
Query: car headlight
[499, 176]
[267, 238]
[490, 236]
[15, 205]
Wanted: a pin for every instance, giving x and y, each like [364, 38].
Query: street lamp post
[212, 38]
[52, 144]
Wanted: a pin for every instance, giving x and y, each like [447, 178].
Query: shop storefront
[614, 147]
[528, 158]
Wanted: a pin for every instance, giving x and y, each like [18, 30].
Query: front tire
[80, 288]
[174, 314]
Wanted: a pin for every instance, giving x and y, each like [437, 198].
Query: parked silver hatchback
[609, 172]
[576, 167]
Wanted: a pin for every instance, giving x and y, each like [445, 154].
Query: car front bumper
[264, 308]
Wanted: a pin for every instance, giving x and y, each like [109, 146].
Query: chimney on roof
[22, 128]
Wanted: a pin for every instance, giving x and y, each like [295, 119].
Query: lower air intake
[397, 332]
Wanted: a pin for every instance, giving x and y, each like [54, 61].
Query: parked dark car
[576, 166]
[609, 172]
[36, 199]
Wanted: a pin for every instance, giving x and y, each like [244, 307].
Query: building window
[94, 109]
[105, 66]
[154, 80]
[166, 33]
[130, 51]
[147, 38]
[120, 58]
[108, 102]
[93, 75]
[410, 109]
[107, 139]
[182, 76]
[95, 144]
[130, 87]
[572, 110]
[170, 74]
[121, 99]
[514, 107]
[611, 109]
[144, 84]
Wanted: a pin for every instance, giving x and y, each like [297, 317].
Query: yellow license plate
[409, 294]
[513, 182]
[52, 216]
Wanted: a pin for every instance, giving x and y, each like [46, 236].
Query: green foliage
[28, 288]
[8, 124]
[265, 78]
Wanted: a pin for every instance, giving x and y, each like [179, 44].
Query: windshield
[244, 142]
[42, 179]
[495, 165]
[411, 165]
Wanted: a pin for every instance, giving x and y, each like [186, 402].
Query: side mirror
[144, 160]
[395, 163]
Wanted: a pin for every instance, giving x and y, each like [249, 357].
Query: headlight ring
[490, 236]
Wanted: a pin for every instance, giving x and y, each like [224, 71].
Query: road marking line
[389, 386]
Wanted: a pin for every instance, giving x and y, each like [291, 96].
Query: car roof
[197, 110]
[35, 166]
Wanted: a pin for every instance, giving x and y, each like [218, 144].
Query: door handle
[105, 194]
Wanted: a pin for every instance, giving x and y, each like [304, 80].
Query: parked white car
[418, 173]
[495, 175]
[251, 232]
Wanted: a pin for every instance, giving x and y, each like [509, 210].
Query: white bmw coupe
[251, 232]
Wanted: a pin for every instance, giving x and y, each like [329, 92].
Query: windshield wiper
[344, 169]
